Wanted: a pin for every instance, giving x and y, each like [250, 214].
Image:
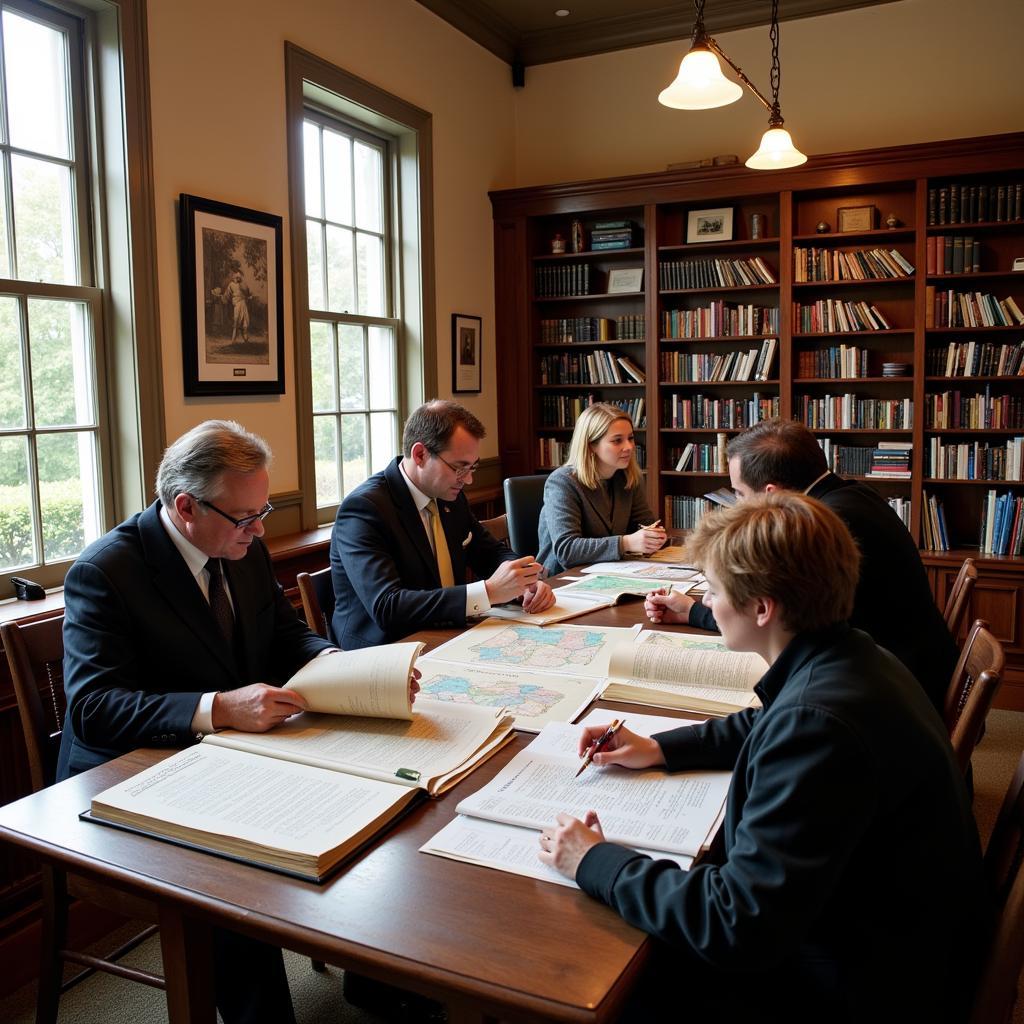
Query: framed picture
[709, 225]
[625, 280]
[856, 218]
[467, 352]
[232, 308]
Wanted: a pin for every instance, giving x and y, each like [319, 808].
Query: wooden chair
[974, 684]
[959, 600]
[997, 987]
[524, 496]
[35, 653]
[317, 592]
[496, 527]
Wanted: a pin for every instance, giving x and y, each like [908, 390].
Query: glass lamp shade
[776, 151]
[700, 84]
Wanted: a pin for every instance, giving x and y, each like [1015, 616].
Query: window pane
[340, 287]
[5, 242]
[351, 368]
[382, 368]
[353, 451]
[325, 452]
[44, 223]
[370, 261]
[368, 187]
[321, 357]
[36, 75]
[383, 444]
[311, 168]
[17, 531]
[12, 371]
[338, 177]
[68, 492]
[315, 264]
[61, 354]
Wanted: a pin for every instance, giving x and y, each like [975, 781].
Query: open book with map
[683, 671]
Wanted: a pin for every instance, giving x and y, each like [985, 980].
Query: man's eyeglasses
[239, 524]
[461, 472]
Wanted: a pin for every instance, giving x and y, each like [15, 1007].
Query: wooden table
[487, 943]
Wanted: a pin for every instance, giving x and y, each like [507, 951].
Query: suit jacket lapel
[597, 499]
[410, 519]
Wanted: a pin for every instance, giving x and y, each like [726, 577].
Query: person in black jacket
[849, 886]
[893, 603]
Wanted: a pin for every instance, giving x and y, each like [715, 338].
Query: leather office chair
[974, 684]
[524, 496]
[959, 600]
[35, 652]
[317, 592]
[997, 988]
[496, 527]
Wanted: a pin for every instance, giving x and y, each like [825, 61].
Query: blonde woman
[595, 509]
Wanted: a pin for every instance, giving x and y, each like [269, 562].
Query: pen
[653, 526]
[600, 743]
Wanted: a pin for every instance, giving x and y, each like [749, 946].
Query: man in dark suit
[403, 540]
[174, 626]
[893, 602]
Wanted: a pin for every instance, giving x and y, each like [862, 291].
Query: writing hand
[663, 606]
[538, 598]
[625, 748]
[255, 708]
[564, 845]
[645, 541]
[511, 579]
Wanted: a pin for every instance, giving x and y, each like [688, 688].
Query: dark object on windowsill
[26, 590]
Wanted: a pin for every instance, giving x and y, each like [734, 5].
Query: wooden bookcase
[876, 189]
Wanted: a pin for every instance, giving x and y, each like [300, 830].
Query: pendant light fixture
[700, 85]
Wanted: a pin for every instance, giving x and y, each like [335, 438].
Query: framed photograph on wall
[856, 218]
[709, 225]
[232, 308]
[467, 353]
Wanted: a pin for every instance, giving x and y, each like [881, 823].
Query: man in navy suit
[174, 626]
[404, 539]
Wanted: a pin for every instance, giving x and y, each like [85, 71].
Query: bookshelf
[862, 352]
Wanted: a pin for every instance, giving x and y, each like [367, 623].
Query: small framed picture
[856, 218]
[467, 353]
[625, 280]
[709, 225]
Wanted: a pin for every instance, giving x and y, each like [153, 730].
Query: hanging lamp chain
[775, 117]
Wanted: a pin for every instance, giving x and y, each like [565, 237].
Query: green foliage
[62, 514]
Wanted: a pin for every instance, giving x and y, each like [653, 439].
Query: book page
[677, 574]
[373, 682]
[566, 606]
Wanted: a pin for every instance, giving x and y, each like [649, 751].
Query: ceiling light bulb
[700, 84]
[776, 151]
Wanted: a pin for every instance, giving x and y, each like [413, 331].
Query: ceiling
[525, 32]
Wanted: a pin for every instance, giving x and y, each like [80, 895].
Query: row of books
[834, 361]
[715, 273]
[683, 512]
[958, 203]
[834, 316]
[564, 410]
[1002, 531]
[976, 359]
[552, 281]
[934, 537]
[752, 364]
[720, 319]
[703, 412]
[975, 460]
[957, 410]
[701, 457]
[891, 460]
[945, 307]
[571, 329]
[952, 254]
[901, 506]
[551, 452]
[849, 412]
[597, 367]
[845, 459]
[818, 264]
[612, 234]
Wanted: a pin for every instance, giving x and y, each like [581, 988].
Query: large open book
[683, 671]
[303, 796]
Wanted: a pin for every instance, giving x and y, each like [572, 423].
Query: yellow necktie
[444, 561]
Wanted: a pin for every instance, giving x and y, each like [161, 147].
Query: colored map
[553, 648]
[526, 699]
[682, 640]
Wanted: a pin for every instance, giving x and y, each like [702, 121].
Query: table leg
[187, 947]
[467, 1013]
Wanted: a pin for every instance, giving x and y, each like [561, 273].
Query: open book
[683, 671]
[305, 795]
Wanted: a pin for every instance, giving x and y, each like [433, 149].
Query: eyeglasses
[461, 472]
[239, 524]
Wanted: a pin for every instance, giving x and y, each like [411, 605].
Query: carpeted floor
[317, 997]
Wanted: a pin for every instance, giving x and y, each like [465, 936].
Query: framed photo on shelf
[232, 308]
[856, 218]
[625, 280]
[709, 225]
[467, 353]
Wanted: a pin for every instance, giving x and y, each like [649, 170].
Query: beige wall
[218, 110]
[913, 71]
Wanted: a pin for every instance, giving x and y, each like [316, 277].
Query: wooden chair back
[972, 689]
[959, 600]
[35, 653]
[316, 590]
[496, 527]
[997, 987]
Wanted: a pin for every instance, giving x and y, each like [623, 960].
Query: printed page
[677, 574]
[566, 606]
[533, 698]
[373, 682]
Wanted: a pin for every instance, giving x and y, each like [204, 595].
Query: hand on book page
[565, 844]
[625, 748]
[255, 708]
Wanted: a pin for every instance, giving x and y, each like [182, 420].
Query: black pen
[600, 743]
